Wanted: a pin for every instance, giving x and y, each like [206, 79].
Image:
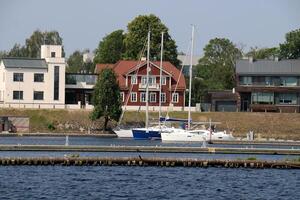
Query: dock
[143, 162]
[151, 149]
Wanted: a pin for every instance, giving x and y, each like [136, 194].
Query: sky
[83, 23]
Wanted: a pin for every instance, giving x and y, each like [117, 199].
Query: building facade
[34, 83]
[132, 80]
[268, 85]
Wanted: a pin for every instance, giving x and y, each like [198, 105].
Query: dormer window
[52, 54]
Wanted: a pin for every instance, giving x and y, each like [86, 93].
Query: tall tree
[106, 98]
[17, 51]
[75, 62]
[217, 66]
[263, 53]
[137, 34]
[290, 49]
[111, 48]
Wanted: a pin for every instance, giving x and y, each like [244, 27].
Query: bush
[51, 126]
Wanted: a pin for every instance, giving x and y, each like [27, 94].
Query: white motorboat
[123, 133]
[199, 135]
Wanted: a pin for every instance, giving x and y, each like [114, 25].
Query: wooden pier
[150, 149]
[142, 162]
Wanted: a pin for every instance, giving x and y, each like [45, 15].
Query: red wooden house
[132, 77]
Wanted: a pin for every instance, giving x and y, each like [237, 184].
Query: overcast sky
[83, 23]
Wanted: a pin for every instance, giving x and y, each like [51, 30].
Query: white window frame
[134, 77]
[143, 97]
[163, 80]
[163, 97]
[152, 80]
[144, 80]
[175, 96]
[152, 94]
[122, 96]
[133, 97]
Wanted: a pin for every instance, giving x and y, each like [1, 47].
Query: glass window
[38, 77]
[152, 80]
[18, 77]
[163, 97]
[288, 81]
[245, 80]
[175, 97]
[163, 80]
[262, 98]
[56, 82]
[38, 95]
[133, 80]
[144, 80]
[287, 98]
[143, 97]
[152, 97]
[122, 96]
[18, 95]
[133, 97]
[52, 54]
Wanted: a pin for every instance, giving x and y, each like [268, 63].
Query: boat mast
[147, 86]
[160, 74]
[191, 71]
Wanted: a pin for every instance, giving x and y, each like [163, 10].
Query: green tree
[217, 66]
[137, 35]
[75, 62]
[34, 42]
[263, 53]
[3, 54]
[290, 49]
[106, 98]
[17, 51]
[111, 48]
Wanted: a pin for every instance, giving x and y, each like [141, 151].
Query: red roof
[99, 67]
[122, 67]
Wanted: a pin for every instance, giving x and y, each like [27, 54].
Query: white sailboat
[198, 135]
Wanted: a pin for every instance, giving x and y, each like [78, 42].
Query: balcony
[153, 86]
[81, 81]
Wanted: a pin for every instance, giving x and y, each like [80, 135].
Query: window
[175, 97]
[38, 77]
[288, 81]
[133, 80]
[163, 97]
[152, 97]
[143, 97]
[38, 95]
[262, 98]
[152, 80]
[122, 96]
[52, 54]
[287, 98]
[56, 82]
[133, 97]
[144, 80]
[163, 80]
[245, 80]
[18, 95]
[18, 77]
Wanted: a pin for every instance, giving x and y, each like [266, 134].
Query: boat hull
[124, 133]
[146, 134]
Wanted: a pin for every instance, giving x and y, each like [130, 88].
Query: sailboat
[198, 135]
[151, 133]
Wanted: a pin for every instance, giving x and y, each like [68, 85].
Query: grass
[266, 125]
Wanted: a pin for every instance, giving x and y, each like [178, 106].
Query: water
[57, 182]
[116, 141]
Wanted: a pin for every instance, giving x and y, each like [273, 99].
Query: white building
[34, 83]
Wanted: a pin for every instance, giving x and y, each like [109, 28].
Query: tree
[3, 54]
[137, 34]
[263, 53]
[290, 49]
[217, 66]
[75, 62]
[106, 98]
[33, 44]
[17, 51]
[111, 48]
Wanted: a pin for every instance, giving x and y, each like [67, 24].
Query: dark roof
[268, 67]
[25, 63]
